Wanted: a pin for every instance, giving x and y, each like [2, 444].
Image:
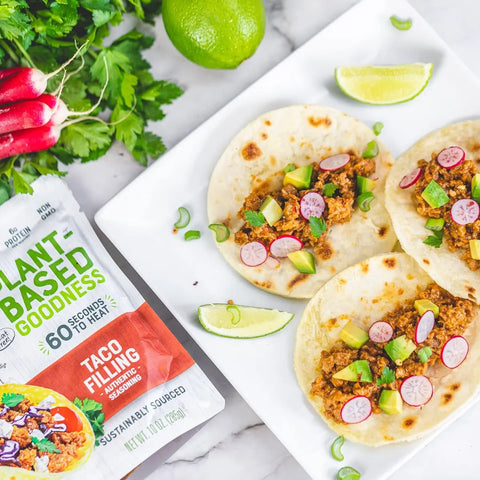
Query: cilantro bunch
[46, 33]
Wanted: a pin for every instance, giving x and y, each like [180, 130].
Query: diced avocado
[271, 210]
[303, 260]
[421, 306]
[289, 167]
[399, 349]
[435, 224]
[365, 184]
[357, 371]
[300, 177]
[390, 402]
[475, 249]
[353, 336]
[435, 195]
[476, 187]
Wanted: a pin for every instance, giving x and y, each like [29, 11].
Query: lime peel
[241, 321]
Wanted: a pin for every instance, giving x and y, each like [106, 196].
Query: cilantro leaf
[45, 445]
[255, 219]
[12, 399]
[329, 189]
[93, 411]
[388, 376]
[81, 139]
[318, 226]
[434, 240]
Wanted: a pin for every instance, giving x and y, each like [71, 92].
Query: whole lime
[215, 34]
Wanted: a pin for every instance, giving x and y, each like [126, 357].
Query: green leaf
[329, 189]
[5, 191]
[81, 139]
[129, 83]
[318, 226]
[21, 182]
[255, 219]
[12, 399]
[130, 127]
[388, 376]
[434, 240]
[162, 92]
[45, 445]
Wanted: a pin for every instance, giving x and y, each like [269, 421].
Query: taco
[301, 190]
[392, 362]
[432, 195]
[42, 434]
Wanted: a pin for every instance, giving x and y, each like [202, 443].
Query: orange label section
[131, 355]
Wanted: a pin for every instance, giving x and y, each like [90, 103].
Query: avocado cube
[390, 402]
[399, 349]
[421, 306]
[357, 371]
[475, 249]
[476, 187]
[303, 260]
[271, 210]
[435, 195]
[353, 336]
[435, 224]
[365, 184]
[300, 177]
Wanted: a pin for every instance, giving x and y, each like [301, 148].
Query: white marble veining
[236, 444]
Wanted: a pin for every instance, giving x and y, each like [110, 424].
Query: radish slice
[272, 262]
[380, 332]
[356, 410]
[411, 179]
[424, 326]
[451, 157]
[465, 211]
[284, 245]
[334, 162]
[312, 204]
[454, 351]
[416, 390]
[253, 254]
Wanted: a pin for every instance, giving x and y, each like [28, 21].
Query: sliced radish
[416, 390]
[312, 204]
[454, 351]
[356, 410]
[284, 245]
[411, 179]
[253, 254]
[380, 332]
[424, 326]
[272, 262]
[451, 157]
[334, 162]
[465, 211]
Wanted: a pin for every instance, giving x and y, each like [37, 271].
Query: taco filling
[313, 198]
[389, 365]
[446, 193]
[40, 437]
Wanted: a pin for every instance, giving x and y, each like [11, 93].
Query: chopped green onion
[424, 354]
[371, 150]
[336, 447]
[235, 311]
[221, 231]
[364, 200]
[435, 195]
[184, 218]
[400, 24]
[192, 235]
[377, 128]
[290, 167]
[348, 473]
[435, 224]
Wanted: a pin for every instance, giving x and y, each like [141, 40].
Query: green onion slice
[183, 218]
[221, 231]
[192, 235]
[364, 200]
[424, 354]
[371, 150]
[377, 128]
[400, 24]
[235, 311]
[336, 447]
[348, 473]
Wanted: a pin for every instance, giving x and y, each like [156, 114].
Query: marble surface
[236, 444]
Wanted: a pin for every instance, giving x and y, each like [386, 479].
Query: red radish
[272, 262]
[411, 178]
[284, 245]
[424, 326]
[465, 211]
[356, 410]
[57, 105]
[454, 351]
[380, 332]
[451, 157]
[21, 115]
[6, 72]
[334, 162]
[253, 254]
[416, 390]
[312, 204]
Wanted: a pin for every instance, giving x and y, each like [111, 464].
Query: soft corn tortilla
[373, 288]
[300, 134]
[36, 395]
[445, 267]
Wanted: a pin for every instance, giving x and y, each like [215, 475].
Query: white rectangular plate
[139, 220]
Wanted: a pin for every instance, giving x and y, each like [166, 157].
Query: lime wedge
[383, 85]
[239, 321]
